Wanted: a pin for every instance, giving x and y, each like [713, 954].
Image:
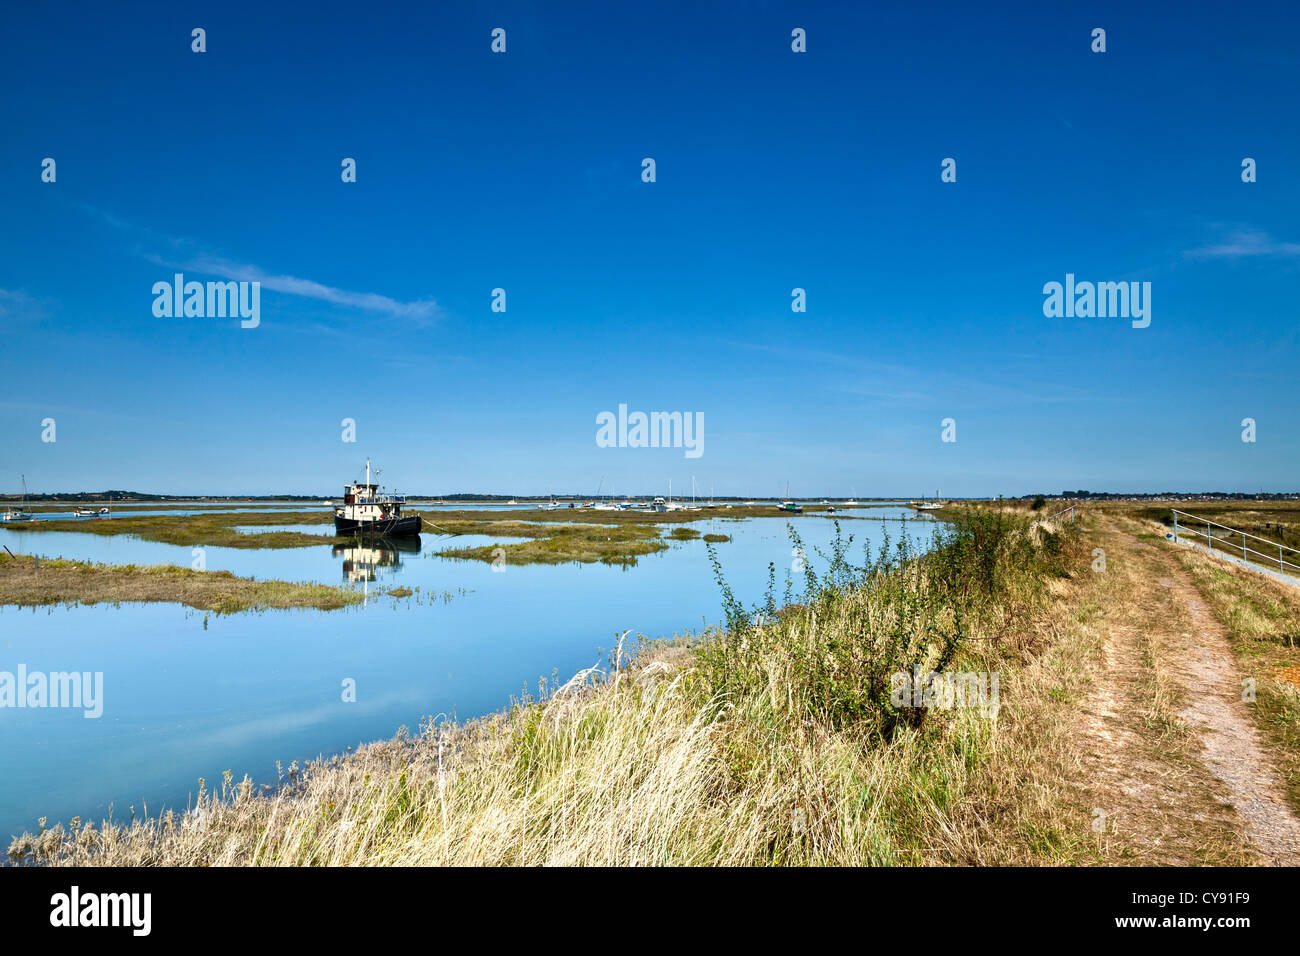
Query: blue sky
[775, 170]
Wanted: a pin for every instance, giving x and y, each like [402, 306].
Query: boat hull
[405, 527]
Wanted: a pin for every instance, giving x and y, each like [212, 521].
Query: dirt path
[1168, 750]
[1231, 747]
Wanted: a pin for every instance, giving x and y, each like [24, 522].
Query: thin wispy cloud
[17, 306]
[11, 301]
[1245, 244]
[420, 311]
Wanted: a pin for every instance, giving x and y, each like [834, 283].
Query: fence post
[1209, 537]
[1175, 524]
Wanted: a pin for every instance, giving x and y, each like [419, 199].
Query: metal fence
[1061, 512]
[1237, 543]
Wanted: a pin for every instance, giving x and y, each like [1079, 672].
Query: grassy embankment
[771, 741]
[31, 582]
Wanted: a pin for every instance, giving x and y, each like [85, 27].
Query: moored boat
[19, 514]
[366, 512]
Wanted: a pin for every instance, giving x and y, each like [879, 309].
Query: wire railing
[1230, 540]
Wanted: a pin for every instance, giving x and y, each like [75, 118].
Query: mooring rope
[440, 530]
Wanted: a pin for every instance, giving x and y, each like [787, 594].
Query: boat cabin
[363, 502]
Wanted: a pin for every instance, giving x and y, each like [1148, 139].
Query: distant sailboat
[552, 504]
[606, 505]
[788, 504]
[929, 505]
[669, 504]
[21, 514]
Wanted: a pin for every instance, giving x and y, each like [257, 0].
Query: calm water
[189, 695]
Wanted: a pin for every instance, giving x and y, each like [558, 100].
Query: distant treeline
[144, 496]
[1080, 495]
[1161, 495]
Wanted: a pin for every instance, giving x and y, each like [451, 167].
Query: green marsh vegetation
[769, 740]
[556, 543]
[586, 535]
[552, 536]
[558, 536]
[31, 582]
[214, 530]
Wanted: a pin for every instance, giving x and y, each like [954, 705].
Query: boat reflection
[363, 560]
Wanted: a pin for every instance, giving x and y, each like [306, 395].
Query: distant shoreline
[111, 498]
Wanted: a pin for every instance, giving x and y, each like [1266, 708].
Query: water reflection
[364, 560]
